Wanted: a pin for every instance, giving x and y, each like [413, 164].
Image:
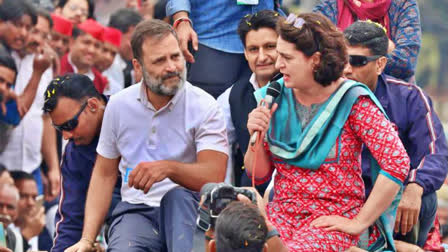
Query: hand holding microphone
[259, 118]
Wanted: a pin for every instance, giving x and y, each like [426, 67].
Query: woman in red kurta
[314, 141]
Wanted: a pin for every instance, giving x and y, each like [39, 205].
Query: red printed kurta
[336, 188]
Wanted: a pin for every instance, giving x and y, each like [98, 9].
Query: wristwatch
[272, 233]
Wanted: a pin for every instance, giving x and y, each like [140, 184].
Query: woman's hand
[339, 223]
[259, 118]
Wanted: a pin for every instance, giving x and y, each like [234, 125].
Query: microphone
[272, 93]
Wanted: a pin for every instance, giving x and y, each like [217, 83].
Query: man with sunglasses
[420, 130]
[76, 109]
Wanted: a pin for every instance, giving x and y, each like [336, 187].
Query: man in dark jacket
[76, 109]
[419, 128]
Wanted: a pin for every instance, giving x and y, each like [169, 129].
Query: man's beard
[156, 84]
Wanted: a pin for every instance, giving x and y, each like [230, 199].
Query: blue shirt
[420, 130]
[12, 116]
[76, 170]
[216, 22]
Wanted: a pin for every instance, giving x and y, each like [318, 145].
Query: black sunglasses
[72, 123]
[361, 60]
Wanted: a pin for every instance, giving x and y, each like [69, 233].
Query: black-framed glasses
[72, 123]
[361, 60]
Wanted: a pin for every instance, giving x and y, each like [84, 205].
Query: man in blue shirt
[419, 128]
[76, 109]
[211, 27]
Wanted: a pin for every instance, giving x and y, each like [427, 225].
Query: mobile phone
[2, 236]
[39, 201]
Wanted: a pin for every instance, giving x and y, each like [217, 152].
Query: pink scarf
[376, 12]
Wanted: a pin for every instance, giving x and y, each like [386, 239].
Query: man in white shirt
[160, 134]
[258, 35]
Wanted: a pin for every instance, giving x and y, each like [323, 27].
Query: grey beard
[156, 84]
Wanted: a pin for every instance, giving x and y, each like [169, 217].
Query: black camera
[217, 197]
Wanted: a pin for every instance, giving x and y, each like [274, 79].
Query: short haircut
[30, 10]
[90, 3]
[160, 9]
[240, 227]
[45, 14]
[318, 34]
[153, 28]
[369, 35]
[11, 10]
[21, 175]
[77, 87]
[261, 19]
[124, 18]
[77, 32]
[7, 61]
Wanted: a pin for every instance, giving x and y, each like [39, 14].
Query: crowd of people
[109, 132]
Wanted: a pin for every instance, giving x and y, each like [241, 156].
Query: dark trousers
[170, 227]
[419, 233]
[214, 71]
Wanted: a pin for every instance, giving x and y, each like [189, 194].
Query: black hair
[45, 14]
[261, 19]
[77, 32]
[21, 175]
[368, 34]
[240, 227]
[124, 18]
[2, 169]
[317, 34]
[11, 10]
[90, 3]
[77, 87]
[30, 10]
[7, 61]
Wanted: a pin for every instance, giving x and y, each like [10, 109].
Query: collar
[381, 90]
[75, 69]
[143, 98]
[254, 82]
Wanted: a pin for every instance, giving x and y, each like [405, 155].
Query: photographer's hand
[274, 244]
[261, 204]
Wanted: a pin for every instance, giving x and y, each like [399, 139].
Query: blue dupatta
[309, 147]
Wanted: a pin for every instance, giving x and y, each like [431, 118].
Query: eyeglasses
[75, 7]
[361, 60]
[72, 123]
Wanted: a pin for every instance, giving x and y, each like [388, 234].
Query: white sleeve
[107, 144]
[223, 101]
[211, 133]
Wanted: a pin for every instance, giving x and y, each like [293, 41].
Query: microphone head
[273, 89]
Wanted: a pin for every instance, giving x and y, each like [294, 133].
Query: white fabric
[115, 76]
[223, 101]
[33, 242]
[191, 122]
[23, 151]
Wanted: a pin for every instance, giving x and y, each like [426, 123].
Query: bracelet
[272, 233]
[180, 20]
[87, 240]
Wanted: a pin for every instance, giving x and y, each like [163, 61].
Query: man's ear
[137, 66]
[381, 64]
[212, 245]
